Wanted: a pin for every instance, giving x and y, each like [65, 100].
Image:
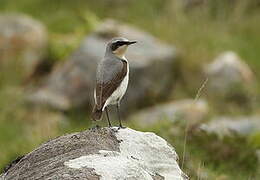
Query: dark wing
[110, 77]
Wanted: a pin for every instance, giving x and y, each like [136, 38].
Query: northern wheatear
[112, 78]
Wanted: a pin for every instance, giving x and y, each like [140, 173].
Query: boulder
[23, 41]
[100, 153]
[71, 84]
[186, 109]
[229, 76]
[232, 126]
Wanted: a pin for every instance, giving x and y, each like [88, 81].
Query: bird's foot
[96, 127]
[121, 127]
[114, 129]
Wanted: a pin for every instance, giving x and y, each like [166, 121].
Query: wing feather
[109, 80]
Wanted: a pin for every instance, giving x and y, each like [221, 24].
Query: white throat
[120, 52]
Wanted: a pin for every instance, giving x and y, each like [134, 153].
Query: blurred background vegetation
[199, 29]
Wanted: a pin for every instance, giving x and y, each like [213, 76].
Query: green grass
[199, 33]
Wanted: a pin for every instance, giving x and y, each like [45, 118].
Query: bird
[112, 77]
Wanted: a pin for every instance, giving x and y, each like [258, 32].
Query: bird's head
[118, 46]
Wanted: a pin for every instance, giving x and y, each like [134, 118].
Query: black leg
[95, 127]
[109, 124]
[119, 117]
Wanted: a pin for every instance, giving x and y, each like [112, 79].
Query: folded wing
[110, 75]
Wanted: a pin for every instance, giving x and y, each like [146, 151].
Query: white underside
[118, 93]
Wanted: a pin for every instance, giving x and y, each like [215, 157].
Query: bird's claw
[121, 127]
[95, 127]
[114, 129]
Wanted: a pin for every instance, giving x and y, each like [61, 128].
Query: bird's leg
[95, 127]
[109, 123]
[119, 117]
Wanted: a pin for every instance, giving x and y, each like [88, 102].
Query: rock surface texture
[100, 154]
[151, 70]
[22, 39]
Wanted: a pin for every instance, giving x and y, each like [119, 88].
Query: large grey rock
[186, 109]
[22, 39]
[229, 75]
[151, 70]
[100, 154]
[232, 126]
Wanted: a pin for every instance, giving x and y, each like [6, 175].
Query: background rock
[187, 109]
[230, 126]
[22, 39]
[229, 76]
[192, 3]
[151, 70]
[100, 154]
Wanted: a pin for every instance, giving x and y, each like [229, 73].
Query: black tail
[96, 114]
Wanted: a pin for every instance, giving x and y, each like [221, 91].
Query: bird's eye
[121, 43]
[117, 45]
[114, 46]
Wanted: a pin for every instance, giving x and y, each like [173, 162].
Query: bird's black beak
[131, 42]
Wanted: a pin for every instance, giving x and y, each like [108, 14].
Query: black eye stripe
[121, 43]
[117, 44]
[114, 47]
